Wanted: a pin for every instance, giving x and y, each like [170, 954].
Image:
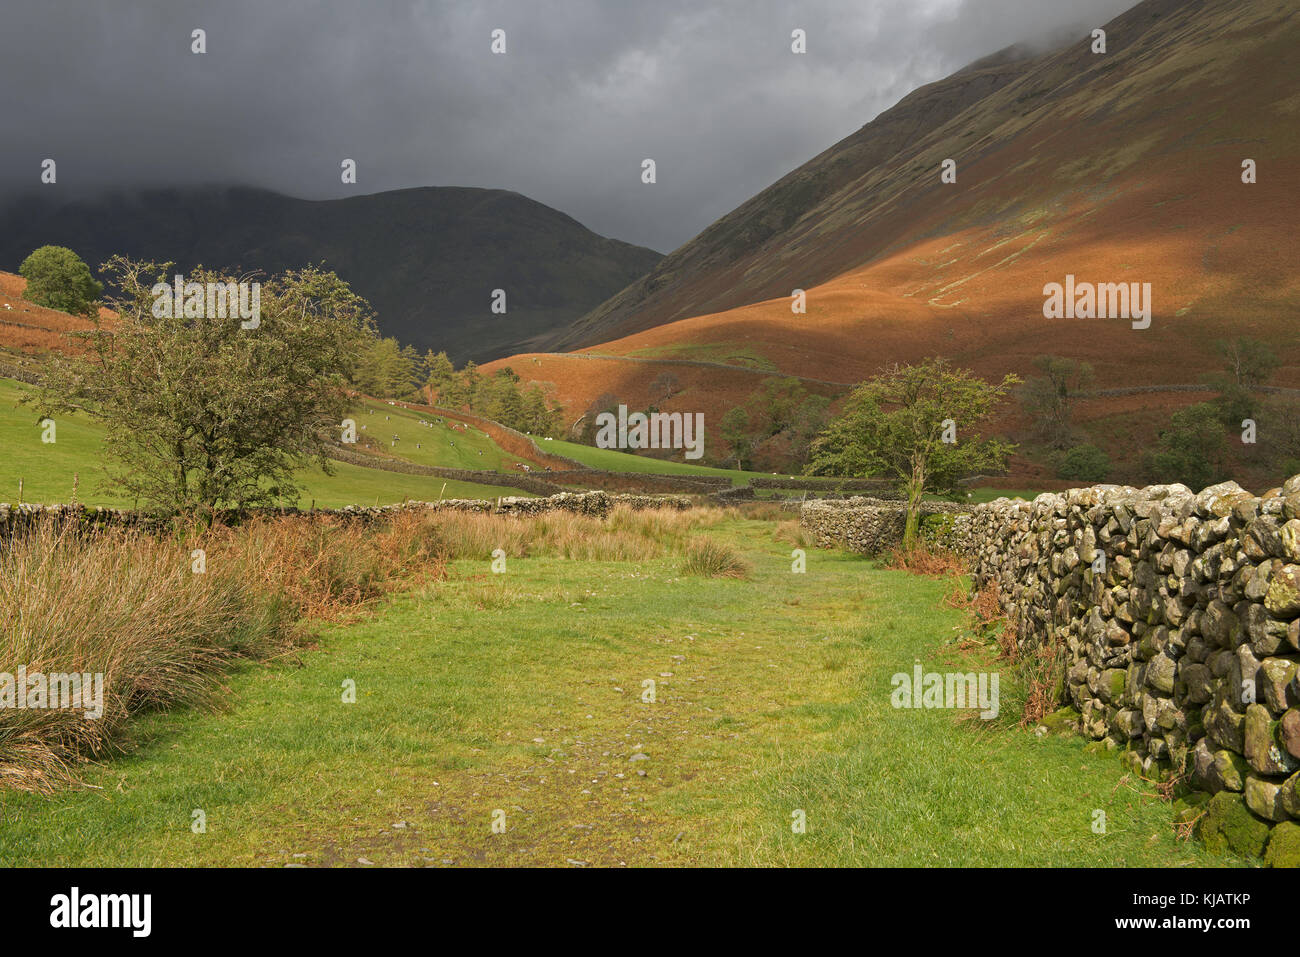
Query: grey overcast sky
[411, 90]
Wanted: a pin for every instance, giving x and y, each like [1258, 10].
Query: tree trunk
[913, 525]
[915, 490]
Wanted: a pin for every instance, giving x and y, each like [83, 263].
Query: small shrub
[1084, 463]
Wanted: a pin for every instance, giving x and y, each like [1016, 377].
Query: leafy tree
[447, 386]
[808, 422]
[438, 369]
[1278, 435]
[1086, 463]
[773, 408]
[498, 397]
[1047, 398]
[471, 380]
[1191, 450]
[1247, 364]
[387, 369]
[1234, 403]
[735, 431]
[1248, 361]
[538, 417]
[775, 426]
[57, 278]
[201, 412]
[893, 424]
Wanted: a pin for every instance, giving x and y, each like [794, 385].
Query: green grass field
[733, 353]
[434, 444]
[518, 698]
[613, 460]
[47, 470]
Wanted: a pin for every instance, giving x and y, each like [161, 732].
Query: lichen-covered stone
[1216, 771]
[1160, 673]
[1277, 682]
[1110, 684]
[1290, 795]
[1289, 541]
[1263, 750]
[1283, 598]
[1263, 796]
[1225, 726]
[1196, 683]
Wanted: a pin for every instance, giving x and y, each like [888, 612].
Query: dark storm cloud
[411, 91]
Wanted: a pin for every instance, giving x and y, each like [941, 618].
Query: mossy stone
[1062, 721]
[1229, 825]
[1283, 846]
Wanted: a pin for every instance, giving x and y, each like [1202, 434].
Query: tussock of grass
[792, 533]
[713, 559]
[1039, 671]
[131, 607]
[127, 607]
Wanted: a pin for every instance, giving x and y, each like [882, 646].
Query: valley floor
[518, 698]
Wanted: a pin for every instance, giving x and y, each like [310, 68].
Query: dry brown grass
[323, 568]
[984, 606]
[1042, 671]
[760, 511]
[923, 559]
[127, 607]
[625, 535]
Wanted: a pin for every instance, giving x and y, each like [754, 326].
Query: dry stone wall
[864, 525]
[20, 519]
[1176, 619]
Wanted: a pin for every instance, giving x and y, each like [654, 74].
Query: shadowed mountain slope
[1077, 152]
[427, 259]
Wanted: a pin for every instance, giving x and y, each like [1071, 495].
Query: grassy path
[522, 694]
